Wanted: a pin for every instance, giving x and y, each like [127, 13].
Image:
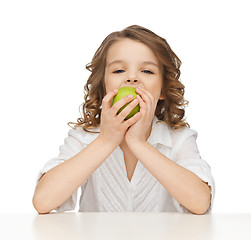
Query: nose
[132, 81]
[131, 77]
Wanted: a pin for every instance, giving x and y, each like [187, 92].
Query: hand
[139, 131]
[112, 125]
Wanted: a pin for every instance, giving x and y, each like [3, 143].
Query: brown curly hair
[169, 110]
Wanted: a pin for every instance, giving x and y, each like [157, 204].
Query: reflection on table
[127, 226]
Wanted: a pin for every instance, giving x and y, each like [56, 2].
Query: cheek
[155, 90]
[111, 85]
[112, 82]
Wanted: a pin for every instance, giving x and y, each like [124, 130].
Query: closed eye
[147, 71]
[119, 71]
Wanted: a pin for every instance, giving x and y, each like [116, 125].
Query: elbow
[39, 206]
[203, 206]
[201, 210]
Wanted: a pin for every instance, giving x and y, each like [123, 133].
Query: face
[132, 63]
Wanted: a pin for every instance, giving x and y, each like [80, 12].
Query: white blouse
[108, 189]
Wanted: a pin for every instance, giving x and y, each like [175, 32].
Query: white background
[45, 45]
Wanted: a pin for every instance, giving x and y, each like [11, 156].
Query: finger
[106, 102]
[127, 109]
[144, 91]
[143, 94]
[149, 95]
[144, 100]
[119, 104]
[132, 120]
[141, 102]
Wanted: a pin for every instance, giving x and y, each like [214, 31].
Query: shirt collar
[160, 133]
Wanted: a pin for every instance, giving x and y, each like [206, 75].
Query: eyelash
[148, 71]
[118, 71]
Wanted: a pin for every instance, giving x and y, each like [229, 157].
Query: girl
[148, 163]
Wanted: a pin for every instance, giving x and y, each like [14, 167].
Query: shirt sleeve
[186, 154]
[72, 145]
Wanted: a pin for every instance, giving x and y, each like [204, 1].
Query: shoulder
[179, 136]
[184, 132]
[164, 134]
[183, 141]
[183, 137]
[83, 136]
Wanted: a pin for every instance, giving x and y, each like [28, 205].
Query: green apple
[122, 92]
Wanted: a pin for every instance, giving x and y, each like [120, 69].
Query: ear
[161, 97]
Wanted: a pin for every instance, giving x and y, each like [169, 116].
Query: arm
[186, 187]
[59, 183]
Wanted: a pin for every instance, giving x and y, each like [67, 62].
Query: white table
[125, 226]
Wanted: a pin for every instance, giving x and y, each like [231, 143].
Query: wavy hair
[170, 110]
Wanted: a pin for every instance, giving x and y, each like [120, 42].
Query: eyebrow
[145, 62]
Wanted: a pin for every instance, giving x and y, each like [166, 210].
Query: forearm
[59, 183]
[186, 187]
